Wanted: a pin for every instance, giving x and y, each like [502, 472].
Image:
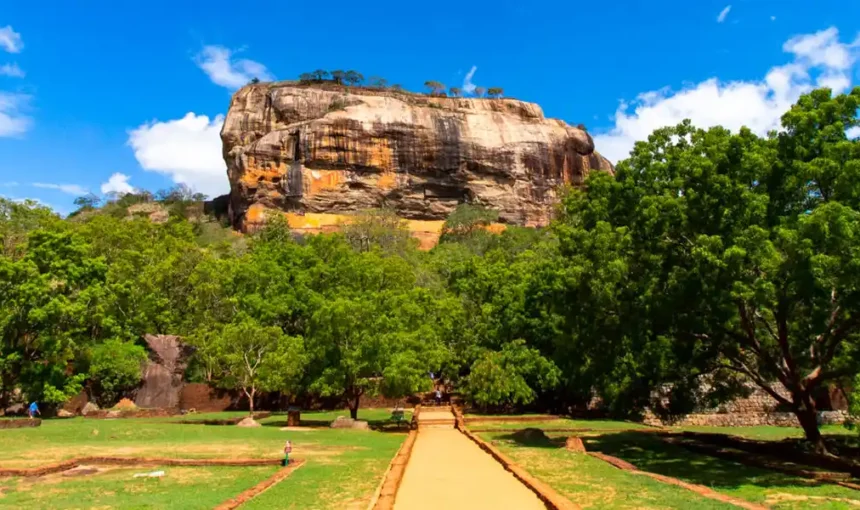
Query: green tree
[495, 92]
[436, 88]
[480, 91]
[115, 368]
[455, 91]
[306, 78]
[338, 76]
[742, 254]
[378, 82]
[17, 220]
[374, 331]
[353, 78]
[87, 202]
[319, 75]
[467, 221]
[510, 376]
[50, 310]
[380, 228]
[255, 358]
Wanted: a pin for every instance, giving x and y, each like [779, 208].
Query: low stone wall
[20, 423]
[759, 408]
[104, 414]
[747, 419]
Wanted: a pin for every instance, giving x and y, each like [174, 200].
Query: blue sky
[96, 89]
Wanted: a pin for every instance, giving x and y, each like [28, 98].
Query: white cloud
[10, 184]
[822, 49]
[773, 18]
[468, 86]
[12, 121]
[723, 14]
[853, 132]
[117, 183]
[186, 149]
[71, 189]
[10, 40]
[223, 70]
[819, 60]
[11, 70]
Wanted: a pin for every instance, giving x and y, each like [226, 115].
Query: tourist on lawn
[34, 410]
[288, 448]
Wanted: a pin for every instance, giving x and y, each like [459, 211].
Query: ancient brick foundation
[758, 408]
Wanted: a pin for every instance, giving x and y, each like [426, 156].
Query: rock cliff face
[163, 376]
[321, 152]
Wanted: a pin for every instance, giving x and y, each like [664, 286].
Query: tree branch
[743, 369]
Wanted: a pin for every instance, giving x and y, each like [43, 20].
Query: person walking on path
[34, 410]
[438, 397]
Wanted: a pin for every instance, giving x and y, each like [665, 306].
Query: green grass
[343, 467]
[560, 423]
[593, 483]
[318, 418]
[343, 482]
[765, 432]
[777, 490]
[180, 488]
[473, 414]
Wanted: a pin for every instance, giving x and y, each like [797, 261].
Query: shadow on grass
[649, 453]
[376, 425]
[533, 438]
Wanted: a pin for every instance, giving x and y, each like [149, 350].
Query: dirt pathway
[447, 470]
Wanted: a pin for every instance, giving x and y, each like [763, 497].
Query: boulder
[574, 444]
[360, 425]
[15, 410]
[75, 404]
[113, 414]
[342, 422]
[320, 153]
[90, 407]
[62, 413]
[163, 374]
[249, 422]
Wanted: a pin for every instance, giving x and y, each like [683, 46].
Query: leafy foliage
[115, 368]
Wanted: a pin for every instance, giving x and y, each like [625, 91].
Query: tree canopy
[709, 261]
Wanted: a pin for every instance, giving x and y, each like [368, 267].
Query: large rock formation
[320, 152]
[163, 376]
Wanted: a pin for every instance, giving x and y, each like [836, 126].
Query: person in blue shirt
[34, 410]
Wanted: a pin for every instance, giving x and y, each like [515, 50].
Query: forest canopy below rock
[707, 260]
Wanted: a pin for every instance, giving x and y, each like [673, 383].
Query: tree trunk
[353, 406]
[250, 401]
[808, 419]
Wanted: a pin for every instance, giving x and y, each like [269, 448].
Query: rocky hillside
[320, 152]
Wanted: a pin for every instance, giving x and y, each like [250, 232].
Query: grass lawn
[369, 414]
[343, 466]
[560, 423]
[593, 483]
[768, 433]
[472, 414]
[777, 490]
[180, 488]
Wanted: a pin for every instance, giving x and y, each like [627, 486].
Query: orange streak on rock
[315, 181]
[254, 174]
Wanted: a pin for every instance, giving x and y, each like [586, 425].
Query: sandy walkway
[449, 471]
